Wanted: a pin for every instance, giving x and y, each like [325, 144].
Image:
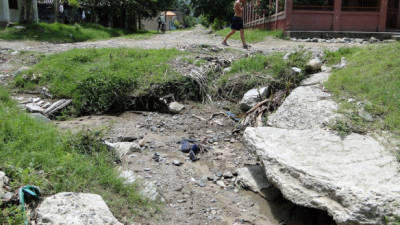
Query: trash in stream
[189, 146]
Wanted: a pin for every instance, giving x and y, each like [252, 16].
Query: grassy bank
[252, 36]
[102, 79]
[372, 78]
[64, 33]
[262, 70]
[35, 153]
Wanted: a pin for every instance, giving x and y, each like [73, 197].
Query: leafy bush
[189, 21]
[218, 24]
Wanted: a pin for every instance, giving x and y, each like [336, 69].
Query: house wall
[4, 12]
[334, 20]
[306, 20]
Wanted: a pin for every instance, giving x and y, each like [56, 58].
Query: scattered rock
[147, 188]
[296, 70]
[5, 196]
[314, 65]
[124, 148]
[227, 70]
[175, 107]
[21, 70]
[365, 115]
[355, 179]
[221, 183]
[342, 64]
[252, 97]
[73, 209]
[177, 163]
[306, 107]
[373, 40]
[228, 175]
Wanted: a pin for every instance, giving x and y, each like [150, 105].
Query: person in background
[161, 22]
[237, 24]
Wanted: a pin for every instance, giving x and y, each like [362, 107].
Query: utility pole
[55, 11]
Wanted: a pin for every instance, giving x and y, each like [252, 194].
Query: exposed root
[254, 117]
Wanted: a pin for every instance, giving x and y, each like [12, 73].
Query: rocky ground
[206, 191]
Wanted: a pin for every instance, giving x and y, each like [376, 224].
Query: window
[313, 4]
[13, 4]
[360, 5]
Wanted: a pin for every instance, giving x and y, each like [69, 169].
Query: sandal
[224, 43]
[246, 46]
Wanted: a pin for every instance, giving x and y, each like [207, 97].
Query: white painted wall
[4, 11]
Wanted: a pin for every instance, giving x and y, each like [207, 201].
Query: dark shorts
[237, 23]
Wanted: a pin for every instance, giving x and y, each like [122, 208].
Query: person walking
[237, 23]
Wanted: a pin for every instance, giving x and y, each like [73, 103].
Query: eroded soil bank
[200, 192]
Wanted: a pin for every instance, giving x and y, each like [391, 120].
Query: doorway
[393, 18]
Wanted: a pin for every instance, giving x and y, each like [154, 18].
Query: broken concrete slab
[355, 179]
[305, 108]
[75, 209]
[57, 106]
[34, 108]
[318, 78]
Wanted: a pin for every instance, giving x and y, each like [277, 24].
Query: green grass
[252, 36]
[63, 33]
[101, 79]
[38, 154]
[372, 77]
[261, 70]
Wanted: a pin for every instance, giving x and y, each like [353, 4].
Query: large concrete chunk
[356, 180]
[75, 209]
[305, 108]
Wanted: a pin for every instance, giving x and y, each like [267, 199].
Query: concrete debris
[5, 195]
[176, 107]
[253, 96]
[57, 106]
[75, 209]
[314, 65]
[34, 108]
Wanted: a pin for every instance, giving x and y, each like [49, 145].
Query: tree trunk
[28, 13]
[55, 11]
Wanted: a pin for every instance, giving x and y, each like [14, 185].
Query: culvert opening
[289, 213]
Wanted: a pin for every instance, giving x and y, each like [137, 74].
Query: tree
[28, 13]
[212, 9]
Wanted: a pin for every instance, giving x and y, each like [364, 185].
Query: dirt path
[176, 39]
